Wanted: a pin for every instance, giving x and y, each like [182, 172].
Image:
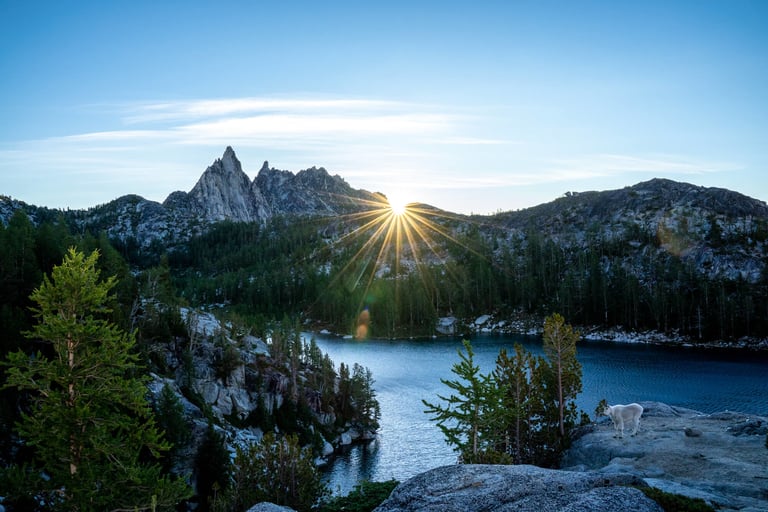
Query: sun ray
[390, 242]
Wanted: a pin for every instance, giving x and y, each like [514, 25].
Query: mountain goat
[624, 414]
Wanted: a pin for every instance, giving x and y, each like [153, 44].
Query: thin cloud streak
[558, 171]
[270, 127]
[381, 145]
[201, 109]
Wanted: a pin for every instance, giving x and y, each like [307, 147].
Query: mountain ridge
[225, 192]
[658, 255]
[694, 222]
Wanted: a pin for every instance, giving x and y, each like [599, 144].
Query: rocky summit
[224, 192]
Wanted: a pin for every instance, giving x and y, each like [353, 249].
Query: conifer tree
[470, 411]
[513, 378]
[560, 349]
[276, 470]
[89, 423]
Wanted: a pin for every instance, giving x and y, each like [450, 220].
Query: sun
[397, 204]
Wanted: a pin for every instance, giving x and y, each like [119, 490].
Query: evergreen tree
[275, 470]
[560, 349]
[469, 413]
[513, 377]
[367, 410]
[169, 413]
[89, 422]
[212, 468]
[521, 413]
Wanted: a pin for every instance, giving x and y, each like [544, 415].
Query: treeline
[313, 268]
[634, 282]
[629, 280]
[28, 251]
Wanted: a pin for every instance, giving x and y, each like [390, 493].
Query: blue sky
[474, 107]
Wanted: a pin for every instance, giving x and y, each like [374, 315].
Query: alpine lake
[407, 371]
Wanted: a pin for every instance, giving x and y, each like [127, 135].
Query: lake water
[406, 372]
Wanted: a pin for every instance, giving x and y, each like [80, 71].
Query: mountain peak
[224, 192]
[229, 162]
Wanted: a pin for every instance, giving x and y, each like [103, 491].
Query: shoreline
[448, 327]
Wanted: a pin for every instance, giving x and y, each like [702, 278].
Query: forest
[80, 336]
[313, 270]
[291, 267]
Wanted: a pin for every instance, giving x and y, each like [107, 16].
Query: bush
[364, 497]
[676, 502]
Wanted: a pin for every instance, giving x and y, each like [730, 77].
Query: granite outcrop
[720, 458]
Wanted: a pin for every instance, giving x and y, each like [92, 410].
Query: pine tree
[560, 349]
[89, 423]
[513, 378]
[276, 470]
[470, 413]
[212, 468]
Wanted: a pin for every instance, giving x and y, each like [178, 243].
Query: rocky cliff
[232, 378]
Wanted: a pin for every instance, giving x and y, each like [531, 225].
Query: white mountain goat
[624, 415]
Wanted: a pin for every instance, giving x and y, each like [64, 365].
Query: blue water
[408, 371]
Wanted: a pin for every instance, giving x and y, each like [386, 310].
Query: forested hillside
[662, 256]
[214, 383]
[705, 283]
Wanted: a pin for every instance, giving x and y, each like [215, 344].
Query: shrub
[365, 497]
[676, 502]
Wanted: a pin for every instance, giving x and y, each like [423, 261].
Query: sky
[473, 107]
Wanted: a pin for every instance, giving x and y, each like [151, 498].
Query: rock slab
[720, 458]
[479, 488]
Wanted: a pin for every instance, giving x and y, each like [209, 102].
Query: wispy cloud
[202, 109]
[116, 136]
[298, 127]
[256, 122]
[372, 143]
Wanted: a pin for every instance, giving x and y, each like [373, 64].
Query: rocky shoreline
[490, 324]
[720, 458]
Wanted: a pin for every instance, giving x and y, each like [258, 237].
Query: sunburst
[397, 238]
[397, 205]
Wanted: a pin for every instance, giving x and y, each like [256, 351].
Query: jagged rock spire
[224, 192]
